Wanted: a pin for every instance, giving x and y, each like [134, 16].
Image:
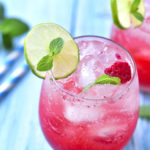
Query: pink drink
[137, 41]
[102, 118]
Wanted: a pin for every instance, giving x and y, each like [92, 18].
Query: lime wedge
[121, 13]
[36, 46]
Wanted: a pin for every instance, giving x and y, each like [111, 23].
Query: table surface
[19, 123]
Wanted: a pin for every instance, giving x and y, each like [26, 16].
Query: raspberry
[70, 86]
[118, 56]
[121, 70]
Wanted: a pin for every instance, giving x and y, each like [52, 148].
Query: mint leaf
[7, 41]
[45, 63]
[56, 46]
[104, 79]
[138, 16]
[134, 6]
[144, 111]
[14, 27]
[1, 11]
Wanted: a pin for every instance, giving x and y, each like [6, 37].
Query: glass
[102, 118]
[137, 41]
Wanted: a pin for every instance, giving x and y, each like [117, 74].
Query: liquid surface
[95, 57]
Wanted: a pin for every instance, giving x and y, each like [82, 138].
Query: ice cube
[90, 48]
[109, 133]
[88, 70]
[102, 91]
[111, 130]
[79, 113]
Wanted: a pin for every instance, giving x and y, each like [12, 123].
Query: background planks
[19, 124]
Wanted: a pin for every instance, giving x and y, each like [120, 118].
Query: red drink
[137, 41]
[102, 118]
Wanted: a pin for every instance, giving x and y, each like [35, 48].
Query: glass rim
[99, 99]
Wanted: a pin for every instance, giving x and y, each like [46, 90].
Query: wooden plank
[93, 18]
[142, 133]
[35, 12]
[19, 123]
[96, 20]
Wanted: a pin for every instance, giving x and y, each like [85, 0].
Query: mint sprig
[144, 111]
[1, 11]
[10, 28]
[14, 27]
[103, 79]
[46, 62]
[7, 40]
[134, 10]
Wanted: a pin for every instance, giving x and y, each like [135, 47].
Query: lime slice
[121, 13]
[36, 46]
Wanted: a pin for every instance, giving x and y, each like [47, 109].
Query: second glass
[137, 41]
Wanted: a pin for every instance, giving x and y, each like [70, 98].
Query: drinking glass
[102, 118]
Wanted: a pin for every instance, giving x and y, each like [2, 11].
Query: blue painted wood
[19, 123]
[142, 133]
[96, 20]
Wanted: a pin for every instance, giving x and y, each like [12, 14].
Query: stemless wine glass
[137, 41]
[102, 118]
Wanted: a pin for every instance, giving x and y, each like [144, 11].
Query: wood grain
[19, 123]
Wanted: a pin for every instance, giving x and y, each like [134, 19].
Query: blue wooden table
[19, 123]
